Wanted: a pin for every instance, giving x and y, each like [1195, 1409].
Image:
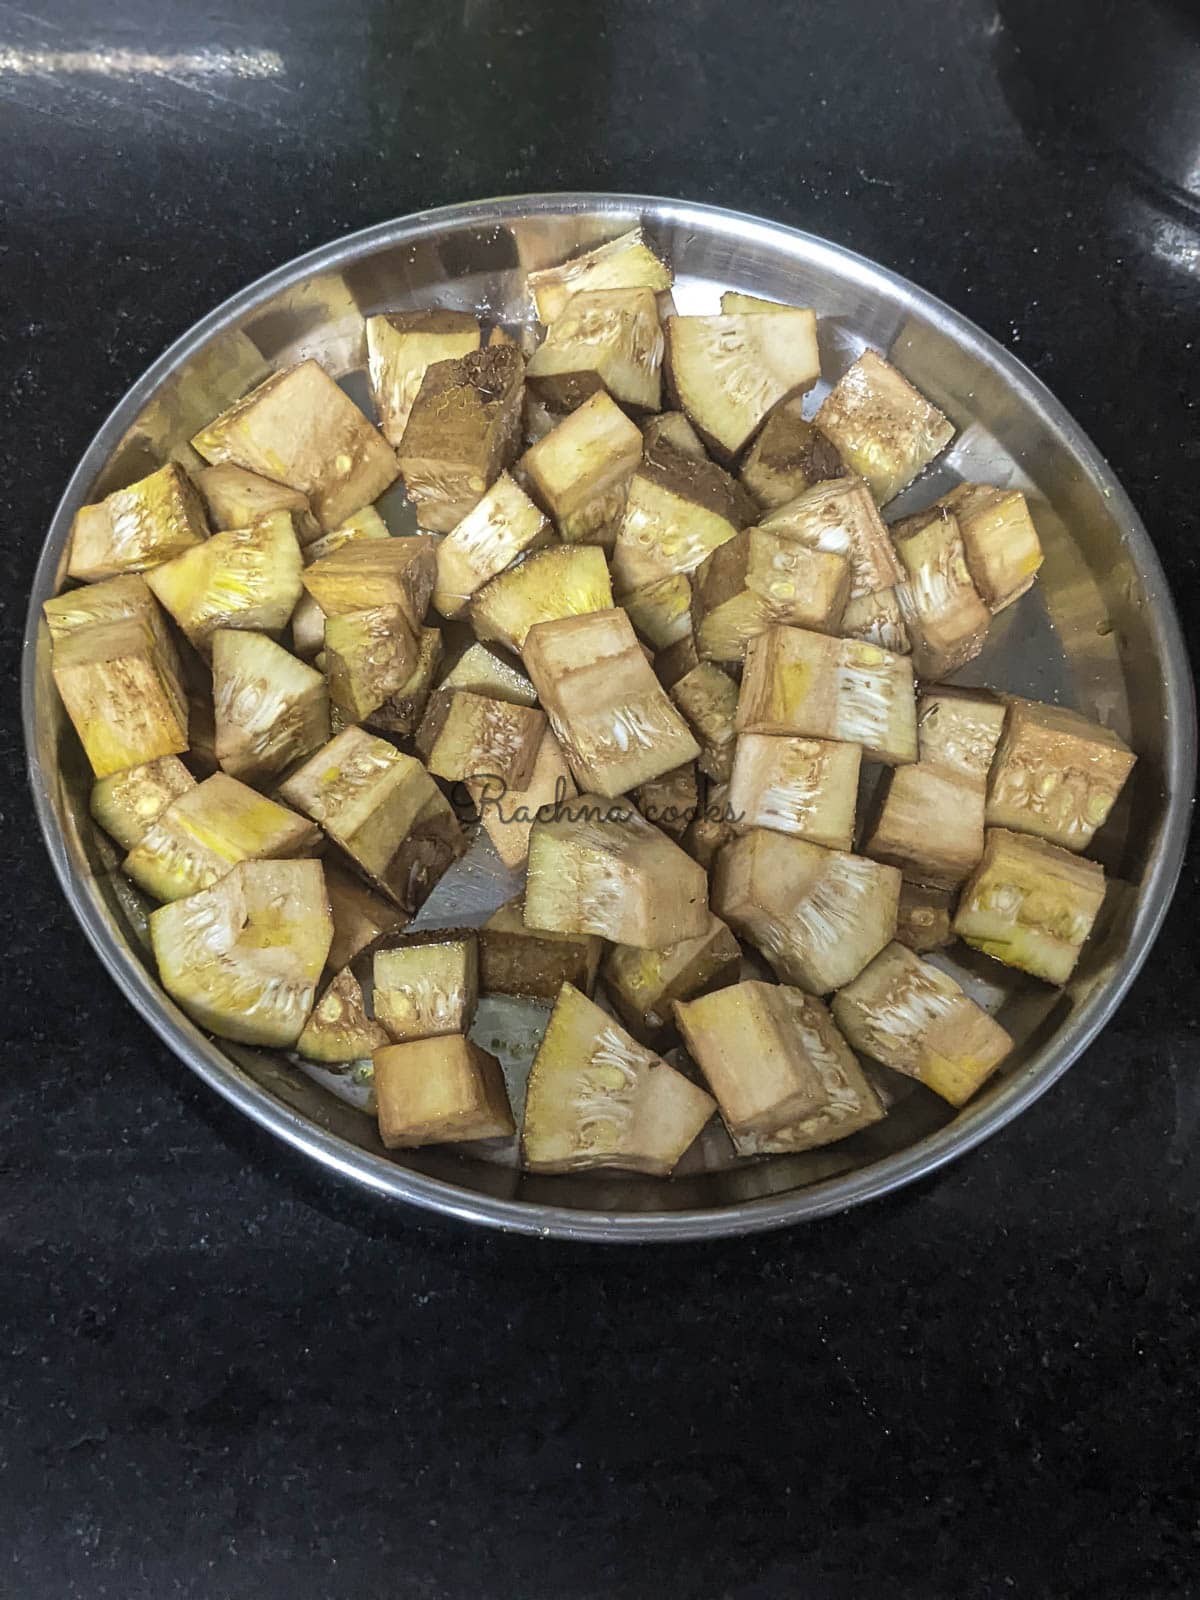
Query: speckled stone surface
[221, 1375]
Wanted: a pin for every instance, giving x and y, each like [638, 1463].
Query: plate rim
[827, 1196]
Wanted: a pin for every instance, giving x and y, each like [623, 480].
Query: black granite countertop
[222, 1375]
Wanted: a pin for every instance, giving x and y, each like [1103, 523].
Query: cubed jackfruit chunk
[1056, 774]
[817, 915]
[235, 498]
[504, 525]
[1003, 551]
[508, 814]
[730, 372]
[401, 347]
[441, 1090]
[599, 867]
[580, 470]
[481, 670]
[243, 957]
[673, 428]
[137, 528]
[1030, 904]
[930, 823]
[770, 1054]
[643, 983]
[608, 711]
[369, 656]
[607, 339]
[661, 611]
[463, 430]
[427, 988]
[923, 918]
[567, 581]
[362, 573]
[789, 456]
[623, 263]
[464, 735]
[339, 1029]
[270, 709]
[364, 524]
[806, 787]
[945, 617]
[841, 519]
[242, 578]
[383, 809]
[120, 684]
[797, 682]
[208, 830]
[877, 619]
[300, 429]
[670, 802]
[128, 803]
[114, 600]
[914, 1018]
[708, 699]
[883, 428]
[514, 959]
[597, 1098]
[679, 509]
[755, 581]
[401, 711]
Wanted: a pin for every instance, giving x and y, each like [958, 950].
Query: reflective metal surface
[1099, 633]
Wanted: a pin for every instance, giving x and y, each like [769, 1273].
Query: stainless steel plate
[1099, 633]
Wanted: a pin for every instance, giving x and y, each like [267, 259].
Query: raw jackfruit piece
[209, 829]
[604, 339]
[137, 528]
[755, 581]
[401, 347]
[608, 711]
[883, 428]
[128, 803]
[514, 959]
[428, 988]
[504, 525]
[300, 429]
[580, 470]
[243, 957]
[643, 983]
[1030, 904]
[817, 915]
[806, 787]
[383, 809]
[1056, 774]
[728, 373]
[599, 867]
[770, 1054]
[678, 510]
[789, 456]
[235, 498]
[242, 578]
[914, 1018]
[363, 573]
[798, 682]
[434, 1091]
[463, 430]
[597, 1098]
[623, 263]
[568, 581]
[270, 709]
[339, 1029]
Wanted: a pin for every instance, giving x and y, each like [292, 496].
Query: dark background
[224, 1376]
